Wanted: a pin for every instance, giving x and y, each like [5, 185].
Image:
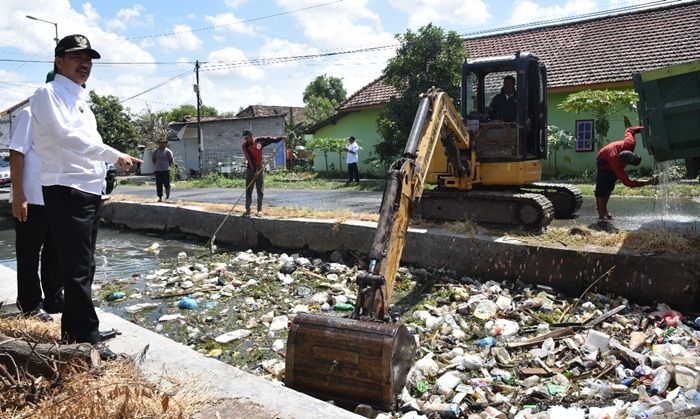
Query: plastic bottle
[657, 409]
[661, 381]
[692, 397]
[485, 310]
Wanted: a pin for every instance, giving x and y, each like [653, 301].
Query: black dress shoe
[109, 334]
[40, 314]
[55, 305]
[106, 354]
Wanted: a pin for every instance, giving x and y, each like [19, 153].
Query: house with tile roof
[597, 53]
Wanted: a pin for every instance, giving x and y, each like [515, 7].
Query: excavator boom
[365, 359]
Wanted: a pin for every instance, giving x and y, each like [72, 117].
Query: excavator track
[565, 198]
[529, 210]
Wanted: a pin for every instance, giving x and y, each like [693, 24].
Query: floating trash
[187, 303]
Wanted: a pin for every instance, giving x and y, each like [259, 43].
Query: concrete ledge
[238, 392]
[645, 279]
[226, 382]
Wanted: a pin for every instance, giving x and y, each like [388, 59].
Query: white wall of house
[7, 127]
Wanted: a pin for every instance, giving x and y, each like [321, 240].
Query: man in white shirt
[351, 159]
[32, 233]
[64, 132]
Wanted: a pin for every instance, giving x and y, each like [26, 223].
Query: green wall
[362, 124]
[574, 162]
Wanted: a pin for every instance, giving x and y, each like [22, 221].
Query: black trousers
[252, 182]
[353, 172]
[74, 218]
[33, 241]
[163, 179]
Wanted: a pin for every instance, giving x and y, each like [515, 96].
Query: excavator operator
[503, 106]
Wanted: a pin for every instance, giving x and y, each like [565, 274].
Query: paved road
[358, 201]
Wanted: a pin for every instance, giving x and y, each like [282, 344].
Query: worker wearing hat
[73, 157]
[162, 160]
[253, 151]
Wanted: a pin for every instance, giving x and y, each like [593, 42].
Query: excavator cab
[512, 129]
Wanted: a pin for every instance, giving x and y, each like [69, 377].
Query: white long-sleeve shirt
[22, 143]
[64, 132]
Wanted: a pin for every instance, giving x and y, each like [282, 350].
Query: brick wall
[222, 138]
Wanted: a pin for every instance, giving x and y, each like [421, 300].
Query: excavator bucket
[348, 361]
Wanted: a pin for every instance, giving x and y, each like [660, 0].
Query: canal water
[119, 254]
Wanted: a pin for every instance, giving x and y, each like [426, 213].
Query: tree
[602, 104]
[327, 145]
[318, 109]
[152, 126]
[180, 113]
[295, 133]
[558, 139]
[113, 122]
[328, 87]
[426, 58]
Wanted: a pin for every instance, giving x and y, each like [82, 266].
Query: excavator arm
[438, 130]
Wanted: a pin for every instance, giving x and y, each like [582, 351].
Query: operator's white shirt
[22, 143]
[64, 132]
[352, 157]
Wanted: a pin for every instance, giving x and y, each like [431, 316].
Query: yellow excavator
[487, 170]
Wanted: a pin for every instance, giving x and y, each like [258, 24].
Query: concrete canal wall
[642, 278]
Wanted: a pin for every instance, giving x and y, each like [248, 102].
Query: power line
[156, 86]
[238, 22]
[279, 60]
[101, 63]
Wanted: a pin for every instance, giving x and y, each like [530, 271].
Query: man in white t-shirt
[351, 159]
[32, 233]
[73, 156]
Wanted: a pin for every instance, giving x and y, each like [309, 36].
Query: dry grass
[114, 389]
[32, 329]
[648, 240]
[279, 212]
[462, 227]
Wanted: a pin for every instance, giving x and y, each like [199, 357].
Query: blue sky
[153, 44]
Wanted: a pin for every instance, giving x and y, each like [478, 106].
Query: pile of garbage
[486, 350]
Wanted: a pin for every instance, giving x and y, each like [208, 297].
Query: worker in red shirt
[611, 162]
[254, 177]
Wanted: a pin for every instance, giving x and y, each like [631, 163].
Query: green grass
[280, 180]
[309, 180]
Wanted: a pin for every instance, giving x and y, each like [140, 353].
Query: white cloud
[130, 17]
[525, 11]
[182, 38]
[339, 25]
[342, 26]
[33, 40]
[234, 3]
[422, 12]
[218, 38]
[275, 47]
[90, 12]
[230, 60]
[229, 22]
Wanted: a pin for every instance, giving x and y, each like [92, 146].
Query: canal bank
[644, 278]
[238, 394]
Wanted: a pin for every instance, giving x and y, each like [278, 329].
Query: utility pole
[199, 121]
